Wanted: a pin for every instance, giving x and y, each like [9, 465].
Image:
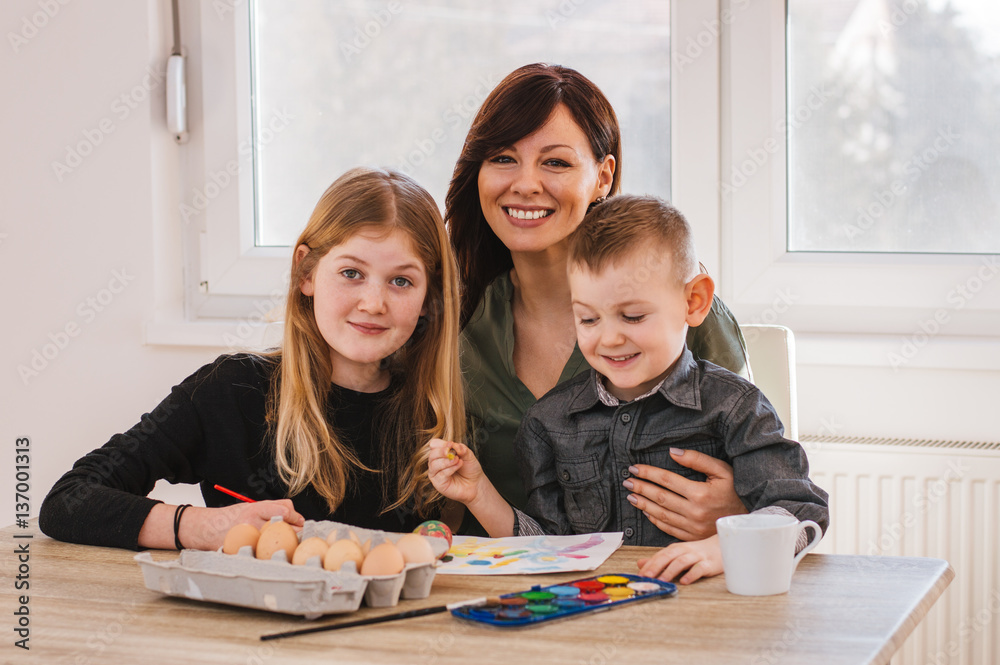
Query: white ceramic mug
[758, 551]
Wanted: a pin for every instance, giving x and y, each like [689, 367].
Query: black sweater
[211, 429]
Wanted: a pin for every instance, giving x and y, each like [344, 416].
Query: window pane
[892, 126]
[349, 83]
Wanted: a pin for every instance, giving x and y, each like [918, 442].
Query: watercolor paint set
[541, 604]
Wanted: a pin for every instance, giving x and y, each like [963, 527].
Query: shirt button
[625, 473]
[565, 475]
[629, 532]
[626, 417]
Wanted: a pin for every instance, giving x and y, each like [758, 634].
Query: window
[376, 82]
[810, 151]
[787, 215]
[397, 83]
[900, 152]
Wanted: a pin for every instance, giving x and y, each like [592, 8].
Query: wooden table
[89, 605]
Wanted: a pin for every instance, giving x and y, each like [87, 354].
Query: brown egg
[342, 551]
[415, 549]
[309, 548]
[277, 536]
[267, 525]
[240, 536]
[384, 559]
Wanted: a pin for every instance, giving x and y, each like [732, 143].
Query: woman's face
[536, 192]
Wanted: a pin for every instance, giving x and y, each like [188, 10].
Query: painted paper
[524, 555]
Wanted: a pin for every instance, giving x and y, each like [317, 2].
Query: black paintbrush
[382, 619]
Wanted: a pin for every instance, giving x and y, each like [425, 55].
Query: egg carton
[278, 586]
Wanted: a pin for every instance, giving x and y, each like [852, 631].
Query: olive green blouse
[496, 399]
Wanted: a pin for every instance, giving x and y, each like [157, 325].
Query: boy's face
[631, 319]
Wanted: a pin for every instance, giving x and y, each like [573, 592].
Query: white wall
[947, 404]
[61, 242]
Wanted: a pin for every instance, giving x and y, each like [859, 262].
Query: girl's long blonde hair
[427, 401]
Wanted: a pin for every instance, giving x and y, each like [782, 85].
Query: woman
[544, 146]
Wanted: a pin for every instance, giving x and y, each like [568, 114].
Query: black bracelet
[177, 524]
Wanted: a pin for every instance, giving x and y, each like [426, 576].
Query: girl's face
[368, 293]
[536, 192]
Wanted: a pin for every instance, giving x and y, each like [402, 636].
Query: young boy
[636, 288]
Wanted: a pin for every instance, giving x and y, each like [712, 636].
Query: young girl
[332, 425]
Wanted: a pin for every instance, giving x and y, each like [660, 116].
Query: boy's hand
[700, 558]
[457, 478]
[684, 508]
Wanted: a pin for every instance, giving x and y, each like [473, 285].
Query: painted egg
[342, 551]
[435, 528]
[240, 536]
[309, 548]
[277, 536]
[415, 548]
[384, 559]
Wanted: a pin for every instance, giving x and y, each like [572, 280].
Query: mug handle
[817, 536]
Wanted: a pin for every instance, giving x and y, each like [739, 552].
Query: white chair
[771, 350]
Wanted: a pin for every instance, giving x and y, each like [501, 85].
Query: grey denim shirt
[574, 452]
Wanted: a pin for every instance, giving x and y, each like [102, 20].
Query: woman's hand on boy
[700, 558]
[681, 507]
[454, 470]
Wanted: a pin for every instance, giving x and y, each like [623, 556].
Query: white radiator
[923, 498]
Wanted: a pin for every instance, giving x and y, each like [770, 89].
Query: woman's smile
[527, 218]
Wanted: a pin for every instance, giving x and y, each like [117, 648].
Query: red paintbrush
[235, 494]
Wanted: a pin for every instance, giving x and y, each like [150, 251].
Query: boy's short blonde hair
[614, 228]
